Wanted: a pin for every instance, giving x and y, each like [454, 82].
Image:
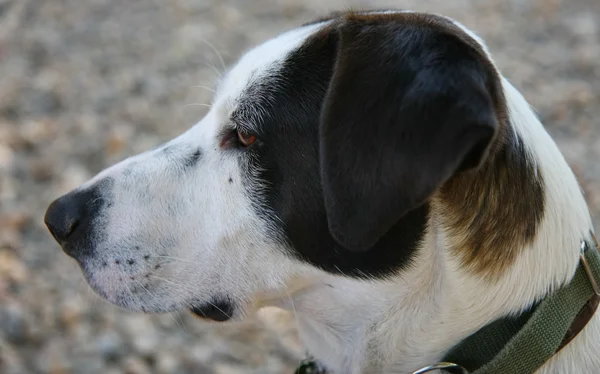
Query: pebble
[10, 360]
[167, 363]
[11, 267]
[135, 365]
[110, 345]
[70, 313]
[144, 336]
[53, 357]
[14, 323]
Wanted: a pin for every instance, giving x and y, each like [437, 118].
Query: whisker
[94, 296]
[206, 88]
[88, 289]
[198, 104]
[189, 290]
[219, 309]
[212, 67]
[171, 282]
[176, 258]
[155, 299]
[131, 295]
[293, 309]
[177, 317]
[98, 198]
[211, 46]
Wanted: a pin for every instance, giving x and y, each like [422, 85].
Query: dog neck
[408, 321]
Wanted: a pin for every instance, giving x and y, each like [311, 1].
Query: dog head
[319, 157]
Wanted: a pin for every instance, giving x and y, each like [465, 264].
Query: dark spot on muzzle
[192, 159]
[182, 155]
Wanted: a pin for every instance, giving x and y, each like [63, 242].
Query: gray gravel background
[85, 83]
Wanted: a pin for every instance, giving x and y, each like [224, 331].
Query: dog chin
[126, 296]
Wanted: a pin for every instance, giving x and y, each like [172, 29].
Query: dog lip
[218, 310]
[71, 251]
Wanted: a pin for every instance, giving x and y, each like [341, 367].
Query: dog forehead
[260, 62]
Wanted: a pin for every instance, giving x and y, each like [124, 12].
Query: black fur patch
[358, 127]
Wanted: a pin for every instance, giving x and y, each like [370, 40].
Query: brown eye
[245, 139]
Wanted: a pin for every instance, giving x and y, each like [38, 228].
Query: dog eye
[245, 139]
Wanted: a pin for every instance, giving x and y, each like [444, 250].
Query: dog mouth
[218, 310]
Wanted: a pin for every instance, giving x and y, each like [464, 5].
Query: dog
[373, 172]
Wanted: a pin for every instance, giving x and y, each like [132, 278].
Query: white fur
[353, 326]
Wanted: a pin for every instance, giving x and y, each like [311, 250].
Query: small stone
[584, 25]
[145, 338]
[8, 189]
[113, 371]
[282, 324]
[6, 157]
[10, 240]
[201, 353]
[10, 360]
[3, 290]
[582, 96]
[110, 346]
[34, 132]
[229, 369]
[70, 313]
[135, 365]
[53, 358]
[14, 221]
[548, 8]
[73, 176]
[13, 323]
[117, 140]
[166, 363]
[41, 169]
[42, 102]
[11, 267]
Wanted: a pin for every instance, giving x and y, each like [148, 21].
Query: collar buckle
[585, 247]
[449, 367]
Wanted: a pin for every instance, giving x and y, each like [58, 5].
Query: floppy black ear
[407, 108]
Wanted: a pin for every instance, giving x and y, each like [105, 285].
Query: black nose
[63, 217]
[70, 217]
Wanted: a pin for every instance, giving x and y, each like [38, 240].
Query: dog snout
[70, 219]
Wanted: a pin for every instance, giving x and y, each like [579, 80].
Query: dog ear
[407, 107]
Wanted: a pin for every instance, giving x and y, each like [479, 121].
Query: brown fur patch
[493, 212]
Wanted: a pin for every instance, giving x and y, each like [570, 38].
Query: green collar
[522, 344]
[310, 366]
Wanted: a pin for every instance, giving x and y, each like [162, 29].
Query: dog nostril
[130, 262]
[72, 226]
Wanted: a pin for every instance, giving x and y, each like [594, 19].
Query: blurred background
[86, 83]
